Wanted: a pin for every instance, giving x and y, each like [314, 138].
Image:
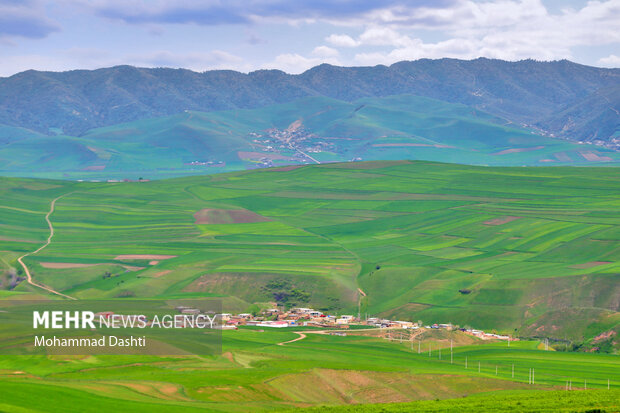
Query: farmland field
[532, 252]
[254, 374]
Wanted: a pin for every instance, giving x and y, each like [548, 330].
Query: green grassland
[256, 374]
[531, 249]
[546, 401]
[393, 127]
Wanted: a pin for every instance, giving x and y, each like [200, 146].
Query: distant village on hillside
[308, 317]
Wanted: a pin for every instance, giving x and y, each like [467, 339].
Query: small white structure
[276, 324]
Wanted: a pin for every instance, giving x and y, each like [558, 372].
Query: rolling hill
[308, 130]
[531, 249]
[526, 93]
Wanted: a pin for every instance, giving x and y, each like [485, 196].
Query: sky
[295, 35]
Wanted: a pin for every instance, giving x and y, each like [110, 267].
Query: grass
[392, 127]
[541, 401]
[537, 248]
[254, 373]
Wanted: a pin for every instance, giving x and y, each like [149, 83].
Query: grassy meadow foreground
[255, 373]
[532, 252]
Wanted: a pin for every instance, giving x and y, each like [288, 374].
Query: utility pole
[450, 351]
[478, 367]
[513, 371]
[465, 361]
[570, 384]
[533, 381]
[529, 376]
[419, 346]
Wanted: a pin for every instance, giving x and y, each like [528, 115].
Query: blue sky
[294, 35]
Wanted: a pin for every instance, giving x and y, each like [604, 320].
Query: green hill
[532, 249]
[524, 92]
[308, 130]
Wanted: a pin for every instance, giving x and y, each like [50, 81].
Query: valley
[305, 131]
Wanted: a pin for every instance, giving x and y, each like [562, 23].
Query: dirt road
[49, 239]
[301, 337]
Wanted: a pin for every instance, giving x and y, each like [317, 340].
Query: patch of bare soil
[500, 221]
[517, 150]
[63, 265]
[604, 336]
[144, 257]
[227, 216]
[594, 157]
[133, 268]
[590, 264]
[161, 273]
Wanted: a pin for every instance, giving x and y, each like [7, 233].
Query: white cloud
[384, 36]
[295, 63]
[503, 29]
[325, 51]
[341, 40]
[610, 61]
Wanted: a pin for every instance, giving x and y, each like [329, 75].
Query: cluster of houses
[486, 336]
[313, 318]
[294, 317]
[308, 317]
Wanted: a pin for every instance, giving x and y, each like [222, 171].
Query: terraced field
[532, 249]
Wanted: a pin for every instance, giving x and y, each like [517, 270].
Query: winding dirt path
[49, 239]
[301, 337]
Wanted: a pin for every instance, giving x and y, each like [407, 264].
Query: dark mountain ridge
[561, 98]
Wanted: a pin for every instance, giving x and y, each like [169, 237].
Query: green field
[387, 128]
[531, 249]
[528, 251]
[254, 374]
[518, 401]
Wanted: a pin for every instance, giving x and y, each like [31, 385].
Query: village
[308, 317]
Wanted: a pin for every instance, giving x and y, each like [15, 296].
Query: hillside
[307, 130]
[532, 249]
[525, 93]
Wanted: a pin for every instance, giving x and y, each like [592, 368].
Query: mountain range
[70, 122]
